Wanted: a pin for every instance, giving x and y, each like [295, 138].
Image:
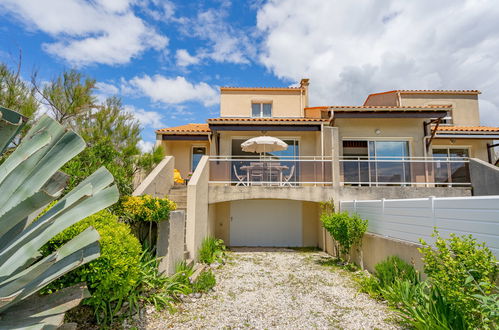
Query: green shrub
[461, 268]
[112, 276]
[394, 268]
[154, 287]
[368, 284]
[387, 273]
[212, 250]
[346, 229]
[205, 282]
[424, 306]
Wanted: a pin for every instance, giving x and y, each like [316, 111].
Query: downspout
[302, 111]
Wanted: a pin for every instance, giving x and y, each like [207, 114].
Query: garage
[266, 223]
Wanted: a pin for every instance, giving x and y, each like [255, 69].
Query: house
[401, 143]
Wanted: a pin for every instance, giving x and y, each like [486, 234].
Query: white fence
[412, 219]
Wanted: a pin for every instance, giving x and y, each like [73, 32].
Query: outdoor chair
[287, 179]
[242, 178]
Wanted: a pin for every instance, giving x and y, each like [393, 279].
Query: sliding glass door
[376, 162]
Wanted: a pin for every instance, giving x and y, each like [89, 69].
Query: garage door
[266, 223]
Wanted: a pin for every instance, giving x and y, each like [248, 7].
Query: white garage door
[266, 223]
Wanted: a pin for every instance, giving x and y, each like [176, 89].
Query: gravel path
[277, 289]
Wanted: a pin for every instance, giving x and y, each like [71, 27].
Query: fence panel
[412, 219]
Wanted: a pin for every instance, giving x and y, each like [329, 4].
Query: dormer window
[261, 110]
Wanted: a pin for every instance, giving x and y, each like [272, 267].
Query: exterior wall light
[377, 131]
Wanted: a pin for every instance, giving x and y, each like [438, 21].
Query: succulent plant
[29, 180]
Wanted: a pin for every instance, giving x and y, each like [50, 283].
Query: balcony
[353, 171]
[405, 171]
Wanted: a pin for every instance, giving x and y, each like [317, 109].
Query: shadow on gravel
[271, 249]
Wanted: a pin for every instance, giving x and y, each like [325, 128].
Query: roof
[349, 108]
[272, 120]
[189, 129]
[428, 91]
[259, 89]
[483, 129]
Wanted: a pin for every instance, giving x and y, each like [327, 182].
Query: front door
[197, 153]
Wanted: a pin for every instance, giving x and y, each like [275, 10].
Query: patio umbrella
[262, 144]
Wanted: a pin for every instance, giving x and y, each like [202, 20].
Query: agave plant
[29, 180]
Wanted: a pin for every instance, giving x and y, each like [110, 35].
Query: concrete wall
[465, 107]
[484, 178]
[182, 151]
[376, 248]
[198, 226]
[159, 181]
[387, 99]
[221, 193]
[170, 243]
[288, 103]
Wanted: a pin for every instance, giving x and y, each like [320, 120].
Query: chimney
[304, 85]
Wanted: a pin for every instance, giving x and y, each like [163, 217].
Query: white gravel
[278, 289]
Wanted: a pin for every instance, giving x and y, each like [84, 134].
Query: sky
[168, 59]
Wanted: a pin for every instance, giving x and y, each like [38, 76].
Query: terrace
[352, 171]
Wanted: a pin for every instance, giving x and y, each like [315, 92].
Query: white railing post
[432, 207]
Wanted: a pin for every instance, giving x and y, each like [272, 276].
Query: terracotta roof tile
[439, 91]
[468, 129]
[272, 119]
[260, 88]
[188, 128]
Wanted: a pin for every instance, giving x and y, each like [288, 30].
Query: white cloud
[172, 90]
[350, 50]
[224, 43]
[145, 146]
[151, 119]
[103, 31]
[185, 59]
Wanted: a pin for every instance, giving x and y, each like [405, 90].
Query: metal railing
[353, 171]
[404, 171]
[271, 171]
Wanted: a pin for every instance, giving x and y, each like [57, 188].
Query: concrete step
[178, 198]
[179, 188]
[181, 205]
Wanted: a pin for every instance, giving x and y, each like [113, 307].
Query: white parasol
[262, 144]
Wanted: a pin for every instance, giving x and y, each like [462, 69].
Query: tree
[18, 95]
[69, 96]
[110, 122]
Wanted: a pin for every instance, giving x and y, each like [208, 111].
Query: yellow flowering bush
[146, 208]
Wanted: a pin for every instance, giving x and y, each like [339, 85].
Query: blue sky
[167, 59]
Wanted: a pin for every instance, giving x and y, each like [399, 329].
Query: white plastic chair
[241, 178]
[286, 179]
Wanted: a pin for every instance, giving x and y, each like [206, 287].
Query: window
[197, 153]
[261, 110]
[456, 171]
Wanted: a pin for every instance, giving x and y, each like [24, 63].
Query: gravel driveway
[278, 288]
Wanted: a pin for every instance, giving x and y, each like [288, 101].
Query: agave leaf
[66, 148]
[17, 216]
[11, 123]
[20, 251]
[12, 243]
[80, 250]
[24, 153]
[43, 312]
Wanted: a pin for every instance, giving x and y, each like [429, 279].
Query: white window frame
[451, 147]
[261, 103]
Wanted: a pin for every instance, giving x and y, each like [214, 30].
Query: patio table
[267, 169]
